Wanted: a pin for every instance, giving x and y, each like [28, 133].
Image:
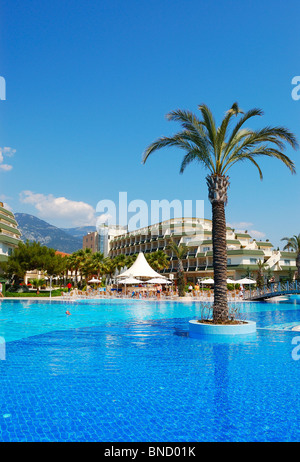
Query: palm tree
[108, 266]
[97, 264]
[158, 260]
[84, 259]
[180, 252]
[71, 265]
[260, 274]
[217, 149]
[75, 262]
[294, 244]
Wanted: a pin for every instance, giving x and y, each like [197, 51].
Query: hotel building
[10, 235]
[243, 252]
[100, 240]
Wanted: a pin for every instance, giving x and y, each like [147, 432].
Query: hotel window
[228, 261]
[253, 261]
[287, 262]
[205, 249]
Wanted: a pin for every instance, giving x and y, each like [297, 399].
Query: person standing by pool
[241, 291]
[158, 292]
[69, 286]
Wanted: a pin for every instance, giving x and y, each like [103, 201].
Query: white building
[10, 235]
[243, 252]
[100, 240]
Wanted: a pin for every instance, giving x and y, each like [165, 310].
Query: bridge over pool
[273, 290]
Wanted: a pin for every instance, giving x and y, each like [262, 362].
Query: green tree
[248, 273]
[85, 259]
[260, 274]
[55, 265]
[36, 283]
[97, 264]
[179, 251]
[28, 256]
[108, 266]
[158, 260]
[290, 277]
[217, 149]
[294, 244]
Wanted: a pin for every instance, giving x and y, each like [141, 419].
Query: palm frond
[209, 123]
[196, 155]
[251, 113]
[193, 139]
[222, 130]
[292, 242]
[209, 146]
[164, 141]
[264, 150]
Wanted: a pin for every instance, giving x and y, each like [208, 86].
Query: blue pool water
[127, 371]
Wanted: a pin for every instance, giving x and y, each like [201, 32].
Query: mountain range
[66, 240]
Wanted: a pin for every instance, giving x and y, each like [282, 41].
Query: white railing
[274, 289]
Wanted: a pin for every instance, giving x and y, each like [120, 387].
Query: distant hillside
[80, 231]
[34, 229]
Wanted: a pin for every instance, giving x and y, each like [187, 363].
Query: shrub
[54, 293]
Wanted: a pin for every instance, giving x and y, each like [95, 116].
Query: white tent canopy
[245, 281]
[231, 281]
[94, 280]
[130, 280]
[207, 281]
[158, 281]
[141, 269]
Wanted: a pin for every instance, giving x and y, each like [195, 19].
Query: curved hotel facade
[10, 235]
[243, 252]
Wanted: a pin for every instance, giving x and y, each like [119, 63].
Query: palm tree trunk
[220, 308]
[218, 186]
[298, 266]
[180, 278]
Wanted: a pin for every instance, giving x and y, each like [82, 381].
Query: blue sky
[88, 84]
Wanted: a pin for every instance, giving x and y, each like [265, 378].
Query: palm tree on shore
[217, 149]
[294, 244]
[97, 264]
[74, 262]
[84, 260]
[179, 251]
[260, 274]
[158, 260]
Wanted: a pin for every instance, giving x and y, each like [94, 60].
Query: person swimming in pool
[68, 312]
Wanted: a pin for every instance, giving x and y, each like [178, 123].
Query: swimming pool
[127, 371]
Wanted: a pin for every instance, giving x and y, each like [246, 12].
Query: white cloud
[8, 152]
[244, 225]
[5, 167]
[8, 207]
[257, 234]
[105, 217]
[241, 225]
[60, 210]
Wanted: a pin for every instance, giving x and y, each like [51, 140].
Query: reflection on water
[25, 318]
[133, 374]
